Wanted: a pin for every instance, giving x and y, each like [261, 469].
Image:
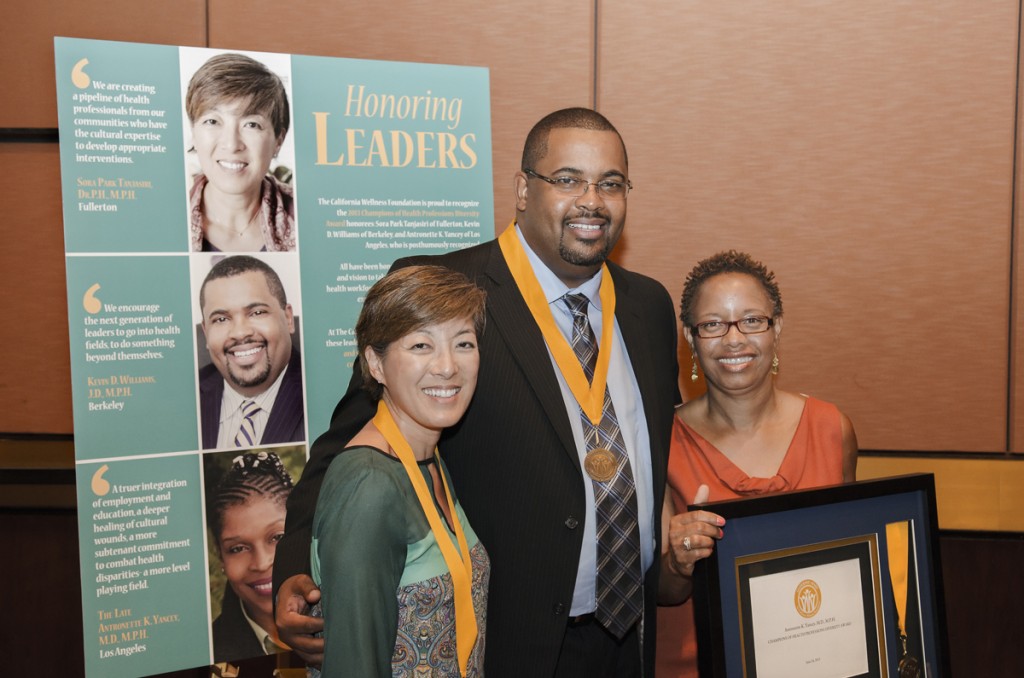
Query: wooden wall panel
[1017, 336]
[26, 44]
[540, 54]
[862, 150]
[984, 631]
[35, 385]
[48, 552]
[976, 493]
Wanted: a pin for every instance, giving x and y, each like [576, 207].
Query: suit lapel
[510, 317]
[641, 356]
[211, 387]
[285, 417]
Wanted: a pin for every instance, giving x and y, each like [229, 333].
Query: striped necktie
[246, 436]
[619, 590]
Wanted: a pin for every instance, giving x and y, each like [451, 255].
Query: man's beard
[254, 376]
[587, 258]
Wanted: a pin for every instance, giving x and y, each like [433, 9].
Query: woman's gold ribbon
[460, 568]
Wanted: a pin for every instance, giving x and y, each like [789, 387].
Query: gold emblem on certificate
[807, 598]
[600, 464]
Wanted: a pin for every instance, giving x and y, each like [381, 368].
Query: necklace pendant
[600, 464]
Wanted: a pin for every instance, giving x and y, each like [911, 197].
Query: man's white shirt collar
[232, 399]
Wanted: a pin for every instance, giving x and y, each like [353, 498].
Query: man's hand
[294, 625]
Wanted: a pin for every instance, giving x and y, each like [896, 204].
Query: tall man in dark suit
[521, 457]
[251, 394]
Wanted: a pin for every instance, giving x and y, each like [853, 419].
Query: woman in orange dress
[743, 437]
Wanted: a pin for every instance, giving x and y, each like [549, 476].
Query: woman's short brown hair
[409, 299]
[727, 262]
[227, 77]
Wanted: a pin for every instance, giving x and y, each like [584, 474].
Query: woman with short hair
[402, 575]
[744, 436]
[238, 111]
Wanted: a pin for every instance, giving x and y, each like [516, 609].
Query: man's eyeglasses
[609, 189]
[755, 324]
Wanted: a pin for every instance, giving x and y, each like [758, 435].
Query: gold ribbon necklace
[459, 566]
[897, 539]
[590, 396]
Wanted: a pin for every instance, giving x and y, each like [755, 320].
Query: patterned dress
[387, 596]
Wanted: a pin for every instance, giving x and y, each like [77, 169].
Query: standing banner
[224, 214]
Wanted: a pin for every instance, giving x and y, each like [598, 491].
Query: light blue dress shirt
[625, 395]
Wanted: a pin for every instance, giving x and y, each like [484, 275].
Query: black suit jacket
[514, 463]
[287, 421]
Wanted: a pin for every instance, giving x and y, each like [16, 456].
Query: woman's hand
[686, 538]
[692, 535]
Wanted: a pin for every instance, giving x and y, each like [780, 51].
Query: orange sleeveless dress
[814, 458]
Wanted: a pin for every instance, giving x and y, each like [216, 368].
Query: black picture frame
[778, 534]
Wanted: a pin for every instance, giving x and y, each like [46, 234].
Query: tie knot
[577, 304]
[249, 408]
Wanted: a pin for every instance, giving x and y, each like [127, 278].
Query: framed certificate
[836, 581]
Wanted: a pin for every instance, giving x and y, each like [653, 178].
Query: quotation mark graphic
[100, 485]
[90, 302]
[79, 78]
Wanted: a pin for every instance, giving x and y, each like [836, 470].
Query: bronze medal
[600, 464]
[909, 667]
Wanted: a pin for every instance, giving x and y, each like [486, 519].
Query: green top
[386, 595]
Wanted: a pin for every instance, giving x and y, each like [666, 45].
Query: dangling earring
[693, 372]
[775, 364]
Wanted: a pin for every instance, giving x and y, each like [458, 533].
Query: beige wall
[865, 151]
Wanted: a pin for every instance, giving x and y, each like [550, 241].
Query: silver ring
[686, 543]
